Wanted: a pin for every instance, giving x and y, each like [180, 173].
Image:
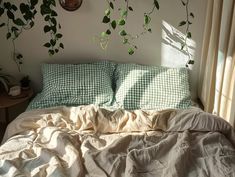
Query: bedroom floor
[2, 130]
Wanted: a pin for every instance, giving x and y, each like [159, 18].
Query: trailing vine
[21, 18]
[15, 26]
[188, 34]
[127, 38]
[50, 15]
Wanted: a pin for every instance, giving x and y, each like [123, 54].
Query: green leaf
[192, 15]
[47, 18]
[114, 24]
[16, 34]
[3, 24]
[125, 41]
[130, 8]
[54, 29]
[156, 4]
[111, 5]
[182, 46]
[48, 45]
[123, 13]
[53, 3]
[28, 16]
[13, 28]
[47, 28]
[24, 8]
[59, 35]
[51, 52]
[53, 42]
[61, 45]
[13, 7]
[53, 20]
[107, 12]
[103, 34]
[108, 32]
[121, 22]
[19, 56]
[33, 2]
[189, 35]
[19, 22]
[106, 19]
[191, 62]
[147, 19]
[10, 15]
[34, 12]
[45, 10]
[53, 13]
[8, 35]
[7, 5]
[122, 33]
[182, 23]
[31, 24]
[1, 11]
[56, 50]
[131, 51]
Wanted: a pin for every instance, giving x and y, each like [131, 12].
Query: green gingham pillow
[72, 85]
[151, 87]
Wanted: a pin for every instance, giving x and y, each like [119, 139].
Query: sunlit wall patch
[172, 54]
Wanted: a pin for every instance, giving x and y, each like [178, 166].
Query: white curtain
[217, 69]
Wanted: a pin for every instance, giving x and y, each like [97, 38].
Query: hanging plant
[120, 24]
[21, 18]
[127, 38]
[16, 25]
[49, 14]
[188, 35]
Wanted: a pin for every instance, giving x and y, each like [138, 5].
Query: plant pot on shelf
[25, 83]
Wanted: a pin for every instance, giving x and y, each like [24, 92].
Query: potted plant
[5, 81]
[25, 81]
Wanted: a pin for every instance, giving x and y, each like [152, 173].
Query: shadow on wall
[172, 55]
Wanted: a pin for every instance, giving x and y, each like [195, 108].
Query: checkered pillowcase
[73, 85]
[151, 87]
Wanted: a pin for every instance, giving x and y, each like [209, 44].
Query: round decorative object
[70, 5]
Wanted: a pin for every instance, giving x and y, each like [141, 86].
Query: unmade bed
[116, 132]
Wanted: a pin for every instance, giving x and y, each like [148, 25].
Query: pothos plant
[22, 17]
[128, 39]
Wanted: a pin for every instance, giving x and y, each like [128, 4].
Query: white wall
[80, 27]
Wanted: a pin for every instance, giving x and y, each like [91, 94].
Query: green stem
[187, 31]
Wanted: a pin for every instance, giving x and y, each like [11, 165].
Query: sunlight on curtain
[217, 74]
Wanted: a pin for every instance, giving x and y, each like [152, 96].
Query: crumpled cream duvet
[94, 142]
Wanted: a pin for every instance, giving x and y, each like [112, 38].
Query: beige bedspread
[90, 141]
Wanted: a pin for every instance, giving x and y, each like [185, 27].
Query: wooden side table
[7, 101]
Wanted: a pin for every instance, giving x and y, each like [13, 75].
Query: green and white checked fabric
[72, 85]
[151, 87]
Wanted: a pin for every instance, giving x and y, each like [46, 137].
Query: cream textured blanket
[90, 141]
